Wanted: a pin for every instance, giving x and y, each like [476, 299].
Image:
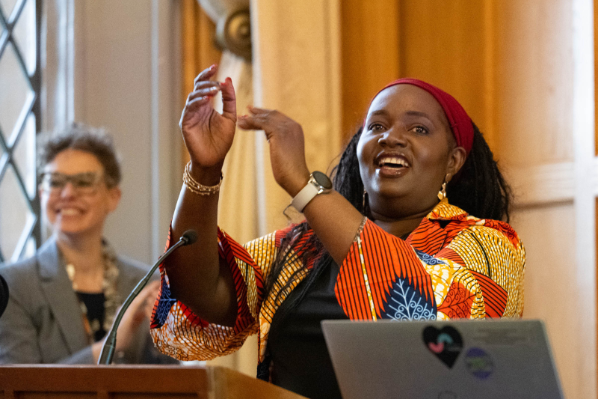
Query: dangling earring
[442, 192]
[364, 200]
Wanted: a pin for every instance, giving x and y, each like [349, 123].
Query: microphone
[188, 238]
[4, 293]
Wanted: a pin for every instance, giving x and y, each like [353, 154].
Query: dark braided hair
[478, 188]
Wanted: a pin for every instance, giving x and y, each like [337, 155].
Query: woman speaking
[409, 228]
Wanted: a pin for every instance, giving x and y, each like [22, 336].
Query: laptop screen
[501, 358]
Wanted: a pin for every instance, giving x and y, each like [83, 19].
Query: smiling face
[405, 152]
[75, 212]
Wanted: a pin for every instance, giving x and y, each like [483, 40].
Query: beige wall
[120, 70]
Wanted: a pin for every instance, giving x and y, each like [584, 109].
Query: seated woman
[63, 299]
[395, 237]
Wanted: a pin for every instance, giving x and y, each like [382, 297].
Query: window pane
[18, 128]
[15, 215]
[24, 155]
[24, 35]
[29, 250]
[7, 7]
[15, 90]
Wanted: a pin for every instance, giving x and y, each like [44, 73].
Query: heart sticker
[445, 343]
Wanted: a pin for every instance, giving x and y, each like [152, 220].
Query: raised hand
[287, 150]
[208, 134]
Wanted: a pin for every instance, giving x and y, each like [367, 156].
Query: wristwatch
[318, 183]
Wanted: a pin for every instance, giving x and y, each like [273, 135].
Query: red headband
[460, 122]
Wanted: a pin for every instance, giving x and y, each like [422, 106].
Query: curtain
[237, 214]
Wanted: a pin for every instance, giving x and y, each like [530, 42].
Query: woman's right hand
[208, 134]
[137, 315]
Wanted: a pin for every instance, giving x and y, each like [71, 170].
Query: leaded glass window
[20, 22]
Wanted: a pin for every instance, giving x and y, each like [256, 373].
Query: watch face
[322, 180]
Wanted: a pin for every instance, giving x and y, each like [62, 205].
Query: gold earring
[442, 192]
[364, 200]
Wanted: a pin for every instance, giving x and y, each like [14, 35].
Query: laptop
[442, 359]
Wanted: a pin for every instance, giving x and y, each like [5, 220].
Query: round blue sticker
[479, 363]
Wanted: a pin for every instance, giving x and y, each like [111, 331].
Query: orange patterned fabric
[452, 266]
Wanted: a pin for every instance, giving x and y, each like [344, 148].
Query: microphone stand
[188, 237]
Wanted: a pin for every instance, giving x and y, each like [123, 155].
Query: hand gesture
[209, 135]
[137, 315]
[287, 150]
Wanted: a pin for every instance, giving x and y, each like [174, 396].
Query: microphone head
[190, 236]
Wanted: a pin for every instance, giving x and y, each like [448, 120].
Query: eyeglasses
[83, 183]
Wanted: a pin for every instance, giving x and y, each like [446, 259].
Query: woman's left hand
[287, 150]
[333, 219]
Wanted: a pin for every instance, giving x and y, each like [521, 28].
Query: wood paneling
[534, 74]
[511, 63]
[549, 285]
[370, 55]
[445, 43]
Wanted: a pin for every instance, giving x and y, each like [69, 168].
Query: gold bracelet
[196, 187]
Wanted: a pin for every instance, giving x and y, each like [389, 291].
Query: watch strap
[306, 194]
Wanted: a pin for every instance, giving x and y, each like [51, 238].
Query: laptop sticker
[445, 343]
[479, 363]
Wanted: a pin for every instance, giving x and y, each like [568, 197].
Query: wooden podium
[132, 382]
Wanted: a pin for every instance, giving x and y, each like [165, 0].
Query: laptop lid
[446, 359]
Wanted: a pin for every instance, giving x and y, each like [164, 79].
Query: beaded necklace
[112, 299]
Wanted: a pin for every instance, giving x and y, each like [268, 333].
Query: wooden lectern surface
[132, 382]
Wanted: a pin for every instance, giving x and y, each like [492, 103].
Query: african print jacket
[452, 266]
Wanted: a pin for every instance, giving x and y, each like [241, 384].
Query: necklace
[109, 288]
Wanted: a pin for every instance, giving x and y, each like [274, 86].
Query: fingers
[194, 105]
[206, 74]
[206, 84]
[204, 89]
[263, 119]
[248, 123]
[204, 92]
[255, 121]
[229, 103]
[260, 111]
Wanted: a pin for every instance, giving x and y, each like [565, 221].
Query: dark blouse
[300, 359]
[95, 312]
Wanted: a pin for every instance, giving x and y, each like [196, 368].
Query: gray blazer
[42, 322]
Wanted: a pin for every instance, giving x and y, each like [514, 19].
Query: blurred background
[524, 71]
